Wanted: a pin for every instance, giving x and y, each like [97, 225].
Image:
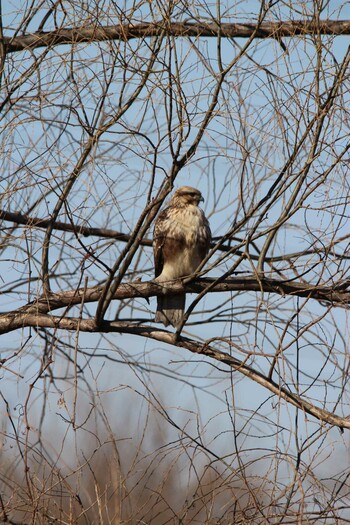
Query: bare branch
[19, 318]
[207, 349]
[127, 32]
[78, 229]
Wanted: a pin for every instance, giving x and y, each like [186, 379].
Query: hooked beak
[201, 199]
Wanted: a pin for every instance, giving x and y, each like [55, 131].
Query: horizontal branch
[13, 320]
[86, 231]
[106, 233]
[207, 349]
[126, 32]
[36, 315]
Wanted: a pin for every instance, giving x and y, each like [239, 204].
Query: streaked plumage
[180, 242]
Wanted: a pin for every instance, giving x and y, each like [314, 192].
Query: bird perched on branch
[181, 241]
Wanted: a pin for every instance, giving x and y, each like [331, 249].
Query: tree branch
[207, 349]
[106, 233]
[19, 318]
[177, 29]
[38, 222]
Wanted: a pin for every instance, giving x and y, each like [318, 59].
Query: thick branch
[19, 318]
[207, 349]
[210, 351]
[178, 29]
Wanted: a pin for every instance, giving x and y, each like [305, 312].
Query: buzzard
[181, 240]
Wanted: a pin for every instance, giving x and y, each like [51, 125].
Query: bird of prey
[181, 241]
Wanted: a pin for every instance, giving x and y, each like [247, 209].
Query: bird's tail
[170, 309]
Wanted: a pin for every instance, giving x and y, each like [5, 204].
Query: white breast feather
[189, 222]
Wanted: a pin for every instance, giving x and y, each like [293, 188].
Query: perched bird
[181, 240]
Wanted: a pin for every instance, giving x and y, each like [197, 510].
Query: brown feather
[170, 309]
[180, 242]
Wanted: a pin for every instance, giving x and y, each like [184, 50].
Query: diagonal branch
[126, 32]
[206, 349]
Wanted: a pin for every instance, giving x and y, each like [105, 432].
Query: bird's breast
[189, 223]
[185, 245]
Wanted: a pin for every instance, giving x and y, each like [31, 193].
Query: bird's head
[187, 195]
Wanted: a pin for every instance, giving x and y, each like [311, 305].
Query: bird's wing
[160, 232]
